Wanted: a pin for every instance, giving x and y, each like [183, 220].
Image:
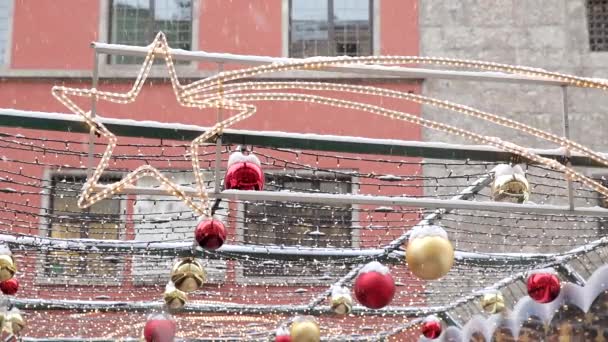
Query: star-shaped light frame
[88, 195]
[228, 90]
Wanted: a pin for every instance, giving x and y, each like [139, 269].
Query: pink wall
[56, 35]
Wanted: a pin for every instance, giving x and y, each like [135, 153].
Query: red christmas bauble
[282, 338]
[210, 234]
[244, 172]
[374, 289]
[9, 287]
[543, 287]
[431, 329]
[159, 329]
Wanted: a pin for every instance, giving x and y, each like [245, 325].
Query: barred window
[597, 21]
[68, 221]
[303, 224]
[136, 22]
[330, 28]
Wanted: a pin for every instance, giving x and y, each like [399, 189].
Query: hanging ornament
[431, 327]
[15, 321]
[244, 172]
[282, 335]
[210, 234]
[174, 298]
[7, 266]
[188, 275]
[510, 184]
[493, 302]
[374, 286]
[429, 253]
[9, 287]
[159, 328]
[341, 301]
[305, 329]
[543, 286]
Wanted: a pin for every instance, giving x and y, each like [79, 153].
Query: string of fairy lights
[317, 225]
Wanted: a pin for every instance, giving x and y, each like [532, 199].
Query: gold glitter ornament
[188, 275]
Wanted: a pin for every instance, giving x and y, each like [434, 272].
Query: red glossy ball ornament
[374, 287]
[244, 172]
[159, 328]
[431, 328]
[282, 335]
[543, 287]
[210, 234]
[9, 287]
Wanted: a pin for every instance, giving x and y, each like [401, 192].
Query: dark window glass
[330, 28]
[304, 224]
[68, 221]
[136, 22]
[597, 23]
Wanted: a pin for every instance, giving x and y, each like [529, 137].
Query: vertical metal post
[94, 84]
[218, 143]
[566, 131]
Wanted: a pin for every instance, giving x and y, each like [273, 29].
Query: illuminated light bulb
[159, 328]
[305, 329]
[429, 253]
[510, 184]
[9, 287]
[188, 275]
[244, 172]
[174, 298]
[374, 286]
[210, 234]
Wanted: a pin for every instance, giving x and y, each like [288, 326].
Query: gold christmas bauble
[429, 257]
[305, 331]
[510, 185]
[16, 322]
[175, 299]
[493, 302]
[188, 275]
[342, 305]
[7, 267]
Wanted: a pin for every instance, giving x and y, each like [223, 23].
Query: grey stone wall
[549, 34]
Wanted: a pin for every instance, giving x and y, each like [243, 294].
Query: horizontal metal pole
[259, 251]
[352, 199]
[364, 70]
[174, 131]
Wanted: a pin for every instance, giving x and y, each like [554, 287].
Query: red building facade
[48, 43]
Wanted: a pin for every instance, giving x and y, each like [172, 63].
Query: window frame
[588, 15]
[6, 62]
[112, 70]
[240, 276]
[374, 24]
[44, 230]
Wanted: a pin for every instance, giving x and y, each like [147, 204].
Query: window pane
[136, 22]
[304, 224]
[597, 21]
[309, 28]
[352, 27]
[68, 221]
[4, 19]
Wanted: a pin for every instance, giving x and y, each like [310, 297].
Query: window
[5, 19]
[304, 224]
[136, 22]
[330, 28]
[597, 22]
[68, 221]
